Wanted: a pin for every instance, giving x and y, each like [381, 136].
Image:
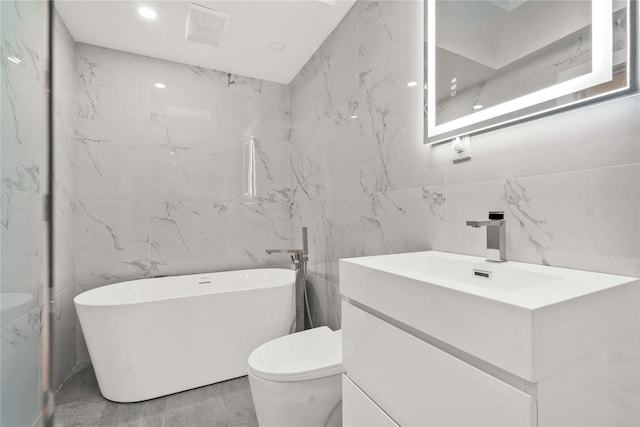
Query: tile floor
[228, 404]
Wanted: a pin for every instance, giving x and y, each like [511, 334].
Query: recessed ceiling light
[160, 85]
[412, 84]
[277, 46]
[147, 13]
[14, 59]
[477, 106]
[354, 117]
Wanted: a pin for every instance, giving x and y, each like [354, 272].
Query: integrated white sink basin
[467, 274]
[529, 320]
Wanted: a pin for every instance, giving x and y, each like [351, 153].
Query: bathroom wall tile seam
[343, 197]
[630, 166]
[515, 176]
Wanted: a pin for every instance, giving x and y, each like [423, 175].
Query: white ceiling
[301, 25]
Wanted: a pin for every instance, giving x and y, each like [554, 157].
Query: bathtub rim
[81, 298]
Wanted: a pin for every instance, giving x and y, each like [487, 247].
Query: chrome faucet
[299, 257]
[496, 235]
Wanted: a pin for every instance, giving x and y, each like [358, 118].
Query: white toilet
[295, 379]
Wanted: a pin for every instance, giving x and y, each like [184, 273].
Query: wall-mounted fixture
[206, 26]
[461, 146]
[516, 63]
[249, 168]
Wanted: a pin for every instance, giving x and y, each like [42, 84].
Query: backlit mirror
[492, 62]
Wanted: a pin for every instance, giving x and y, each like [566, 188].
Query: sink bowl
[529, 320]
[462, 272]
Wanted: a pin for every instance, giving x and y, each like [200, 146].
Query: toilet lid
[305, 355]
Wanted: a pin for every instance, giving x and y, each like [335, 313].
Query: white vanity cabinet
[360, 410]
[427, 343]
[417, 384]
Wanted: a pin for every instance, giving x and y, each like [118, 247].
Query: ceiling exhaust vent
[206, 26]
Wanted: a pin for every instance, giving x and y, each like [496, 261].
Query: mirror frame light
[602, 61]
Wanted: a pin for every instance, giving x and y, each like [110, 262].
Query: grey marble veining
[589, 220]
[161, 171]
[112, 241]
[356, 146]
[518, 202]
[178, 230]
[79, 403]
[325, 132]
[365, 186]
[403, 221]
[581, 219]
[389, 110]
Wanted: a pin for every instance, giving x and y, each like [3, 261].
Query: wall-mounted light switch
[461, 148]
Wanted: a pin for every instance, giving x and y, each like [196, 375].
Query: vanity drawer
[420, 385]
[360, 411]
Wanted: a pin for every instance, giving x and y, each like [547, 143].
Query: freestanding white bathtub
[153, 337]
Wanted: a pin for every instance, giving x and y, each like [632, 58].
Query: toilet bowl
[295, 380]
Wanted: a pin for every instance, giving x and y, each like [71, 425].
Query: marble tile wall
[23, 184]
[361, 179]
[160, 173]
[65, 284]
[364, 183]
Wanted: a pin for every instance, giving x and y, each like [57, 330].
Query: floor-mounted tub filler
[152, 337]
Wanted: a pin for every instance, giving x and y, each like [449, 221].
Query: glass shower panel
[24, 129]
